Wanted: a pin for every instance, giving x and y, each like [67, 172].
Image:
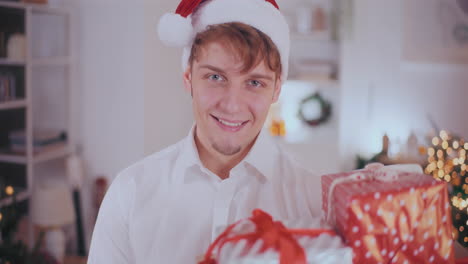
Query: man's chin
[226, 149]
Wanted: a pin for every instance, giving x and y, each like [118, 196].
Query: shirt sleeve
[110, 242]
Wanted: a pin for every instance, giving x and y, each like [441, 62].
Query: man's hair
[249, 44]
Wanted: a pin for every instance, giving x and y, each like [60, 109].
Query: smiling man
[170, 206]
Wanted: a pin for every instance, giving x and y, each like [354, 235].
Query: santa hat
[193, 16]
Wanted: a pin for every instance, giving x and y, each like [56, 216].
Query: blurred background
[87, 89]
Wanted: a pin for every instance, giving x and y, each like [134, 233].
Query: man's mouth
[231, 125]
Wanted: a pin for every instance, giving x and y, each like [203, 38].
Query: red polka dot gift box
[390, 214]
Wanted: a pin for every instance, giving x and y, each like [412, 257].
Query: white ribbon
[373, 171]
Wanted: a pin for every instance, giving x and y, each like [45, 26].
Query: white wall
[111, 67]
[168, 115]
[381, 92]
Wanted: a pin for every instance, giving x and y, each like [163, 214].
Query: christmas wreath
[311, 103]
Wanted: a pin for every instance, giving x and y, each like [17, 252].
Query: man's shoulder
[159, 161]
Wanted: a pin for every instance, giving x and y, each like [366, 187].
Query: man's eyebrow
[252, 76]
[211, 67]
[261, 76]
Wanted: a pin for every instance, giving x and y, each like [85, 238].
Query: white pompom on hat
[192, 16]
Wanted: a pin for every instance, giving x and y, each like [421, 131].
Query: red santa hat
[193, 16]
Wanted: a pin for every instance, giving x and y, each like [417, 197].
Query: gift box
[390, 216]
[259, 239]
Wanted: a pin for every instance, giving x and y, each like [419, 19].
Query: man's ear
[276, 93]
[187, 76]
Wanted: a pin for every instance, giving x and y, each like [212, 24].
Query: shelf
[8, 62]
[52, 26]
[51, 61]
[13, 158]
[47, 9]
[55, 152]
[12, 4]
[313, 36]
[21, 196]
[14, 104]
[318, 81]
[36, 8]
[51, 153]
[47, 61]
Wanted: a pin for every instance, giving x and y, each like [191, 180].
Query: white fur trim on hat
[175, 30]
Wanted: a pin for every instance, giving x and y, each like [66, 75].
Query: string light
[462, 153]
[430, 152]
[445, 144]
[455, 145]
[9, 190]
[449, 151]
[435, 141]
[440, 164]
[441, 173]
[440, 154]
[444, 135]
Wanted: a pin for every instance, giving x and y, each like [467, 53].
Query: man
[170, 206]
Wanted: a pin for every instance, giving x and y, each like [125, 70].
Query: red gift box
[273, 234]
[405, 219]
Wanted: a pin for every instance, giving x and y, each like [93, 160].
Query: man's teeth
[229, 123]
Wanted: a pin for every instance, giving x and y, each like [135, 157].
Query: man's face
[229, 107]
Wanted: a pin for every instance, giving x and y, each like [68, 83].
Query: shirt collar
[189, 154]
[262, 155]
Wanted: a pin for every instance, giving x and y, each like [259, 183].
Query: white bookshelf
[37, 8]
[55, 152]
[47, 90]
[4, 61]
[21, 196]
[14, 104]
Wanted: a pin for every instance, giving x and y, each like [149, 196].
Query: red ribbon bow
[274, 236]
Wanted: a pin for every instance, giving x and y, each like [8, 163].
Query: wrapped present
[390, 215]
[259, 239]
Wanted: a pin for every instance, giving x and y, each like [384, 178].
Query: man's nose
[233, 99]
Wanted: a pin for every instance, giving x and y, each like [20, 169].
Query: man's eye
[215, 77]
[255, 83]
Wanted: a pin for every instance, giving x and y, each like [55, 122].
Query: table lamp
[51, 209]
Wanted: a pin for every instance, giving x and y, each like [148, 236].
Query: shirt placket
[223, 199]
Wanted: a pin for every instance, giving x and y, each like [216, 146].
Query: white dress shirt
[168, 207]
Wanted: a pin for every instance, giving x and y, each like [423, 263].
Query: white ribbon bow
[373, 171]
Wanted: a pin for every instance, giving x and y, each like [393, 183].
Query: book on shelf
[42, 140]
[2, 44]
[21, 149]
[7, 86]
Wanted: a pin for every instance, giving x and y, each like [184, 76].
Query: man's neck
[216, 162]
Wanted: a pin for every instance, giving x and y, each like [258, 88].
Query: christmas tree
[447, 161]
